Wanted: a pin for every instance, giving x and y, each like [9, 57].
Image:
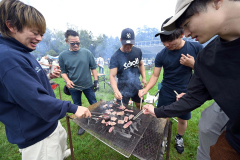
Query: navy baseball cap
[163, 31]
[127, 36]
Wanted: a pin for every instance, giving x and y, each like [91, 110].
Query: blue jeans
[77, 96]
[101, 68]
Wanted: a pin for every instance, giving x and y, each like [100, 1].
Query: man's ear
[11, 28]
[217, 4]
[66, 41]
[182, 35]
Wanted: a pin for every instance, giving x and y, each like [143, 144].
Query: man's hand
[179, 96]
[144, 82]
[187, 60]
[149, 109]
[142, 92]
[95, 85]
[69, 84]
[118, 95]
[83, 112]
[56, 73]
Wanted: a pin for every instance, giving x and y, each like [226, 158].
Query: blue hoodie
[28, 107]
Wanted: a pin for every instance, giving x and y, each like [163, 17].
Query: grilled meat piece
[120, 113]
[127, 124]
[127, 110]
[113, 118]
[121, 107]
[111, 129]
[131, 116]
[110, 105]
[112, 123]
[125, 119]
[103, 121]
[105, 105]
[108, 111]
[113, 113]
[120, 121]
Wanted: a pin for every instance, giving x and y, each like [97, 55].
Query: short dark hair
[194, 8]
[71, 32]
[20, 15]
[175, 35]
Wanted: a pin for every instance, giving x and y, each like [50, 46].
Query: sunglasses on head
[74, 43]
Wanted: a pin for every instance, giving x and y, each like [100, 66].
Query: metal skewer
[177, 95]
[141, 112]
[141, 103]
[175, 92]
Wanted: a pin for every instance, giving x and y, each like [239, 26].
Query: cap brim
[170, 25]
[128, 42]
[165, 33]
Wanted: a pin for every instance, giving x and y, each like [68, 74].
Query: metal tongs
[141, 112]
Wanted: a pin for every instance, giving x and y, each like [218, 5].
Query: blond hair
[20, 15]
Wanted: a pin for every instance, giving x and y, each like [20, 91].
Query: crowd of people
[26, 93]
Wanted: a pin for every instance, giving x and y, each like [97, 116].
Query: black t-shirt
[128, 70]
[175, 75]
[216, 76]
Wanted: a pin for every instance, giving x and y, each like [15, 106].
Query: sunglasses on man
[74, 43]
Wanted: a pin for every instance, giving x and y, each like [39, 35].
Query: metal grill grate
[116, 140]
[145, 142]
[148, 146]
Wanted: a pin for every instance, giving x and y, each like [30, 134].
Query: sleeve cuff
[72, 108]
[159, 112]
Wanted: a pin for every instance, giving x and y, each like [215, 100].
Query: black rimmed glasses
[74, 43]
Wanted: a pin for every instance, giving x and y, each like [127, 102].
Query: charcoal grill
[147, 143]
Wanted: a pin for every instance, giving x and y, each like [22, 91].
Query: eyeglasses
[74, 43]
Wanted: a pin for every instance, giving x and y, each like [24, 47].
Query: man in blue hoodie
[26, 94]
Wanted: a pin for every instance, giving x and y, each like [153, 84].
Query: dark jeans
[101, 70]
[77, 96]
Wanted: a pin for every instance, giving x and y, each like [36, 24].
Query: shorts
[167, 97]
[135, 98]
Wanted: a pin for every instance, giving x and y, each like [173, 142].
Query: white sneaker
[67, 153]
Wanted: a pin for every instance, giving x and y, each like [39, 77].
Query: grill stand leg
[70, 137]
[59, 90]
[169, 139]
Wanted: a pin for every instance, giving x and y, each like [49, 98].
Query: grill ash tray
[121, 140]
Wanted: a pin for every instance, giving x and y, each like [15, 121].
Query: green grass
[88, 147]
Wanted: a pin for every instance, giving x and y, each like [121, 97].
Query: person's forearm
[95, 74]
[113, 84]
[152, 82]
[184, 105]
[142, 71]
[196, 95]
[65, 77]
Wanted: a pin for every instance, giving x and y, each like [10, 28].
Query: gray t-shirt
[77, 65]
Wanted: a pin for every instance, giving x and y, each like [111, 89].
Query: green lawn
[88, 147]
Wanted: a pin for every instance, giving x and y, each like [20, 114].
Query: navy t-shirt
[128, 70]
[176, 76]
